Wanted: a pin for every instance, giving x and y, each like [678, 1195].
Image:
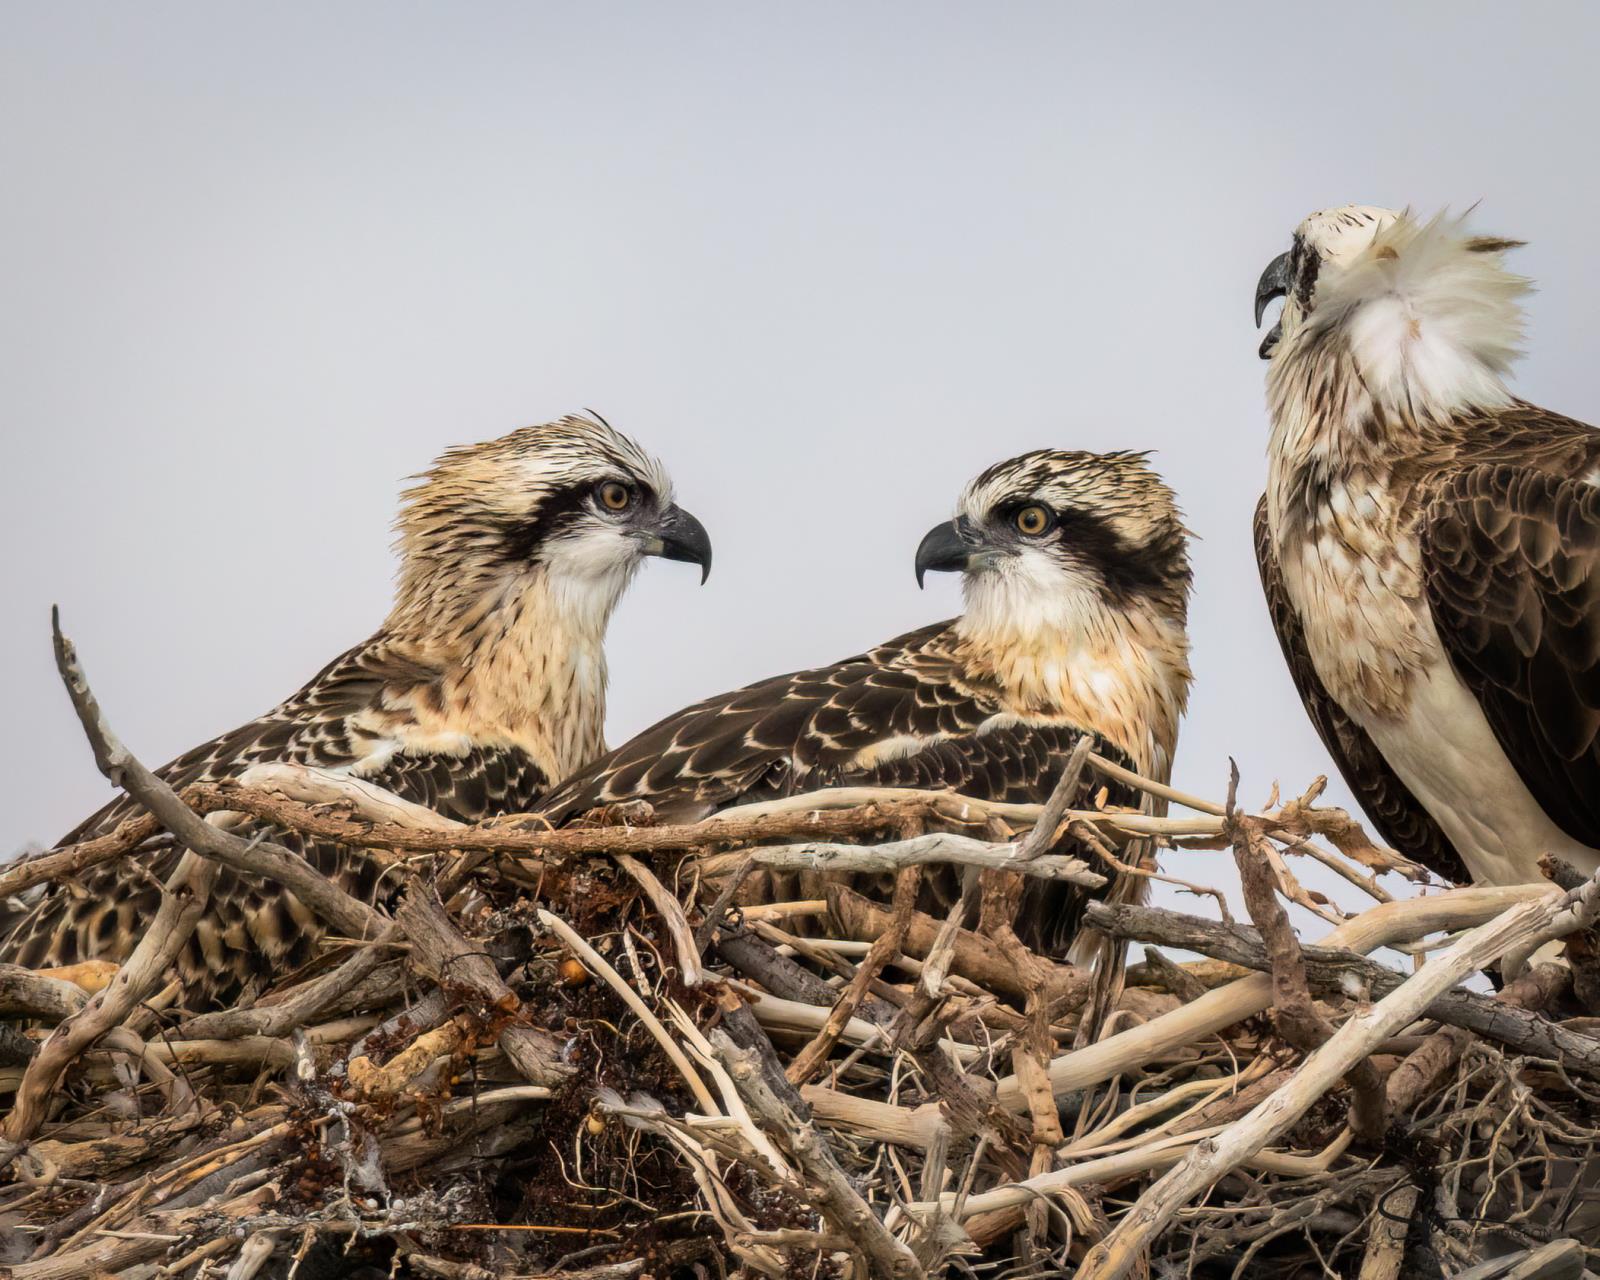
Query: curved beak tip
[942, 550]
[682, 537]
[1274, 283]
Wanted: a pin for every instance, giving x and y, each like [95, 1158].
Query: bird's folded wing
[1511, 570]
[905, 714]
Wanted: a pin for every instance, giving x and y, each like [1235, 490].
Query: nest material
[601, 1052]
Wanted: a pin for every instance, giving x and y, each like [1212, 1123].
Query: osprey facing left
[1075, 573]
[1430, 546]
[485, 684]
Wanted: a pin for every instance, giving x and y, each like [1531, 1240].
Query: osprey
[486, 683]
[1076, 582]
[1430, 546]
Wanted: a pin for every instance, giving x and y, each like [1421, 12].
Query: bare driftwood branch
[439, 949]
[972, 955]
[349, 916]
[77, 858]
[931, 848]
[1337, 970]
[536, 1043]
[837, 1198]
[810, 1059]
[31, 995]
[1293, 1013]
[1380, 926]
[1121, 1250]
[303, 1004]
[1043, 836]
[182, 903]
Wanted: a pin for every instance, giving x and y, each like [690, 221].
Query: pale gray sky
[261, 263]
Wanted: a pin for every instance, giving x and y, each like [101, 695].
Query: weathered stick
[1038, 841]
[1120, 1252]
[834, 1195]
[308, 785]
[305, 1002]
[113, 1253]
[500, 836]
[1332, 969]
[1381, 925]
[1424, 1067]
[183, 903]
[348, 915]
[972, 955]
[1293, 1012]
[671, 912]
[1386, 1244]
[26, 994]
[128, 835]
[810, 1059]
[440, 950]
[937, 846]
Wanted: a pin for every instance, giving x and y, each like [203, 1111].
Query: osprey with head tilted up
[485, 684]
[1076, 581]
[1430, 546]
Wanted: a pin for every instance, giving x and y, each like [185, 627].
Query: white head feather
[1391, 322]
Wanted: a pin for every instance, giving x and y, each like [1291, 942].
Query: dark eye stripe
[1129, 569]
[556, 514]
[1303, 268]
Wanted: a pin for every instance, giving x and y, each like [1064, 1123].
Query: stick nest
[629, 1050]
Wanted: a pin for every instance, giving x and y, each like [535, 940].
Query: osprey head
[574, 501]
[1325, 244]
[1056, 526]
[1388, 320]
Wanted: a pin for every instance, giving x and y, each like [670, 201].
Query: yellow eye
[615, 497]
[1033, 520]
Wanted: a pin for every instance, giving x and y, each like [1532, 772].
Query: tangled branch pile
[596, 1052]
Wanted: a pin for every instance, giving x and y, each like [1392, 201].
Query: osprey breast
[1352, 571]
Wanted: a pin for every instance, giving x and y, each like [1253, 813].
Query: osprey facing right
[1430, 546]
[485, 684]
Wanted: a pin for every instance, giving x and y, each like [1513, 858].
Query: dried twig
[1293, 1013]
[838, 1199]
[811, 1058]
[1119, 1252]
[1337, 970]
[244, 1135]
[931, 848]
[1381, 925]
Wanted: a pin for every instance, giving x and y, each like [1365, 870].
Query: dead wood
[570, 1054]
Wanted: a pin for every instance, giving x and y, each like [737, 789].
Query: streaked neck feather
[1421, 326]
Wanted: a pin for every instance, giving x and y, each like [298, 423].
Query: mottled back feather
[907, 713]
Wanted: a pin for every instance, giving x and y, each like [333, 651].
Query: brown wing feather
[312, 727]
[911, 699]
[254, 932]
[1511, 565]
[1399, 817]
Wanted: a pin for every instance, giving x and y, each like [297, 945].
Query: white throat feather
[1061, 649]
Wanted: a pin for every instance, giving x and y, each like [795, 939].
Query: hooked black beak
[943, 550]
[677, 535]
[1274, 283]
